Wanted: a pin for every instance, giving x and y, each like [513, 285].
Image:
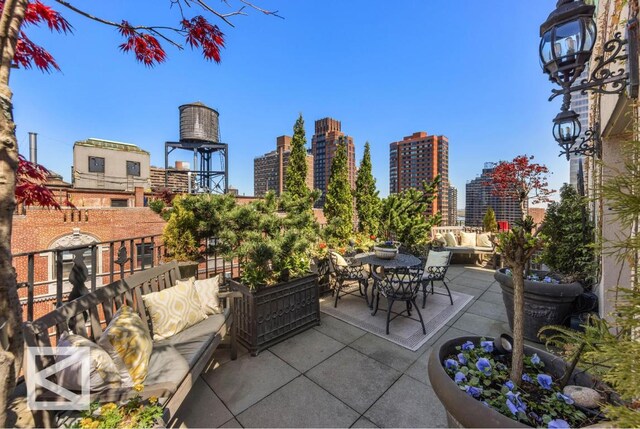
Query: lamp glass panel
[545, 48]
[568, 40]
[590, 34]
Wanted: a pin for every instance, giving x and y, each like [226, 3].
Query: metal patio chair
[435, 269]
[347, 270]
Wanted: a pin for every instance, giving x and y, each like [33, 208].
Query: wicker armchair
[346, 270]
[400, 284]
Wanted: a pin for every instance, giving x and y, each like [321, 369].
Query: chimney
[33, 147]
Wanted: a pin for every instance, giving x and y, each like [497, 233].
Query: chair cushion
[208, 293]
[467, 239]
[129, 344]
[450, 239]
[174, 309]
[484, 240]
[338, 259]
[103, 373]
[437, 259]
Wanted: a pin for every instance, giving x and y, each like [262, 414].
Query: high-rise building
[328, 133]
[453, 206]
[479, 198]
[270, 169]
[579, 104]
[420, 158]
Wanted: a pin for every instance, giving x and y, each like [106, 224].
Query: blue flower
[512, 407]
[484, 366]
[565, 398]
[509, 384]
[468, 346]
[515, 399]
[525, 377]
[460, 377]
[462, 359]
[558, 424]
[473, 391]
[548, 279]
[486, 404]
[451, 364]
[487, 346]
[535, 359]
[544, 381]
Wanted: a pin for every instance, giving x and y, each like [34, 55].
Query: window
[133, 168]
[119, 203]
[96, 164]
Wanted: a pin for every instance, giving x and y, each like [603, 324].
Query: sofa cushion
[191, 342]
[103, 373]
[167, 368]
[467, 239]
[450, 239]
[439, 240]
[174, 309]
[129, 345]
[207, 290]
[484, 240]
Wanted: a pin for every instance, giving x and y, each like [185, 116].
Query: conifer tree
[296, 178]
[338, 207]
[367, 200]
[489, 222]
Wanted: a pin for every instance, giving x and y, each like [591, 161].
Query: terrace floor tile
[306, 350]
[339, 330]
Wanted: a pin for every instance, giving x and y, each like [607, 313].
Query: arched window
[73, 240]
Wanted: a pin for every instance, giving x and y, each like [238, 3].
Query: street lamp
[567, 40]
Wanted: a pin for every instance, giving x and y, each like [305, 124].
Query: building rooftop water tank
[198, 122]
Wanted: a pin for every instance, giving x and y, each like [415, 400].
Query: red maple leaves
[147, 49]
[30, 185]
[201, 33]
[520, 177]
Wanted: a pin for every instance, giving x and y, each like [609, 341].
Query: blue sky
[465, 69]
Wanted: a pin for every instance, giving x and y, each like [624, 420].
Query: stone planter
[385, 252]
[465, 411]
[271, 314]
[188, 269]
[544, 303]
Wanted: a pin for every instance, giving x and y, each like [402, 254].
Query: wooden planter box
[271, 314]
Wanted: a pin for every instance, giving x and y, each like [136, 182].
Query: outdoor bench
[473, 250]
[175, 363]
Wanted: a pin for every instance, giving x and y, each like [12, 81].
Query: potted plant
[280, 292]
[386, 249]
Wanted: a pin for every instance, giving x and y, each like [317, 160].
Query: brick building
[419, 158]
[328, 133]
[270, 169]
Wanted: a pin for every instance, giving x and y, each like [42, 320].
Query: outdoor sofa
[460, 240]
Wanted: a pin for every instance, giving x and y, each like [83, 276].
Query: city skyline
[379, 87]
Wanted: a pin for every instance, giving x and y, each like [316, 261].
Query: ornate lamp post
[567, 39]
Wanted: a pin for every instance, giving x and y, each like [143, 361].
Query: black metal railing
[53, 276]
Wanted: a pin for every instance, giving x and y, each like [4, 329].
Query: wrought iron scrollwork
[589, 145]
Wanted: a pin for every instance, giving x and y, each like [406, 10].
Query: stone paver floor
[337, 375]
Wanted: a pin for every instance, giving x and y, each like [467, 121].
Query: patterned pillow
[174, 309]
[103, 373]
[439, 240]
[450, 239]
[484, 240]
[129, 345]
[467, 239]
[208, 293]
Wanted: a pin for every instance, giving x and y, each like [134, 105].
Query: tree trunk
[517, 358]
[10, 308]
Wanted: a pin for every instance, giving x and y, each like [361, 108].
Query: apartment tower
[453, 206]
[270, 169]
[420, 158]
[328, 133]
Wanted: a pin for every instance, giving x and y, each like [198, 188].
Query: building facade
[452, 210]
[270, 169]
[327, 136]
[579, 104]
[109, 165]
[420, 158]
[479, 197]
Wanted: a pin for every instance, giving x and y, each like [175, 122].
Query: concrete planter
[188, 269]
[269, 315]
[544, 303]
[465, 411]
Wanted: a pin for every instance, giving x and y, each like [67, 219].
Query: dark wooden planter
[544, 303]
[465, 411]
[271, 314]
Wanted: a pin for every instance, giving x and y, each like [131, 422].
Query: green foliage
[192, 219]
[367, 200]
[338, 207]
[489, 222]
[404, 219]
[610, 349]
[296, 175]
[135, 413]
[570, 247]
[157, 206]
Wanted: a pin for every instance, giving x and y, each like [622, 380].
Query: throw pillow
[103, 373]
[208, 293]
[450, 239]
[484, 240]
[437, 259]
[129, 345]
[338, 259]
[467, 239]
[174, 309]
[439, 240]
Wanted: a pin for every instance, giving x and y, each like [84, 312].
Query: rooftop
[110, 144]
